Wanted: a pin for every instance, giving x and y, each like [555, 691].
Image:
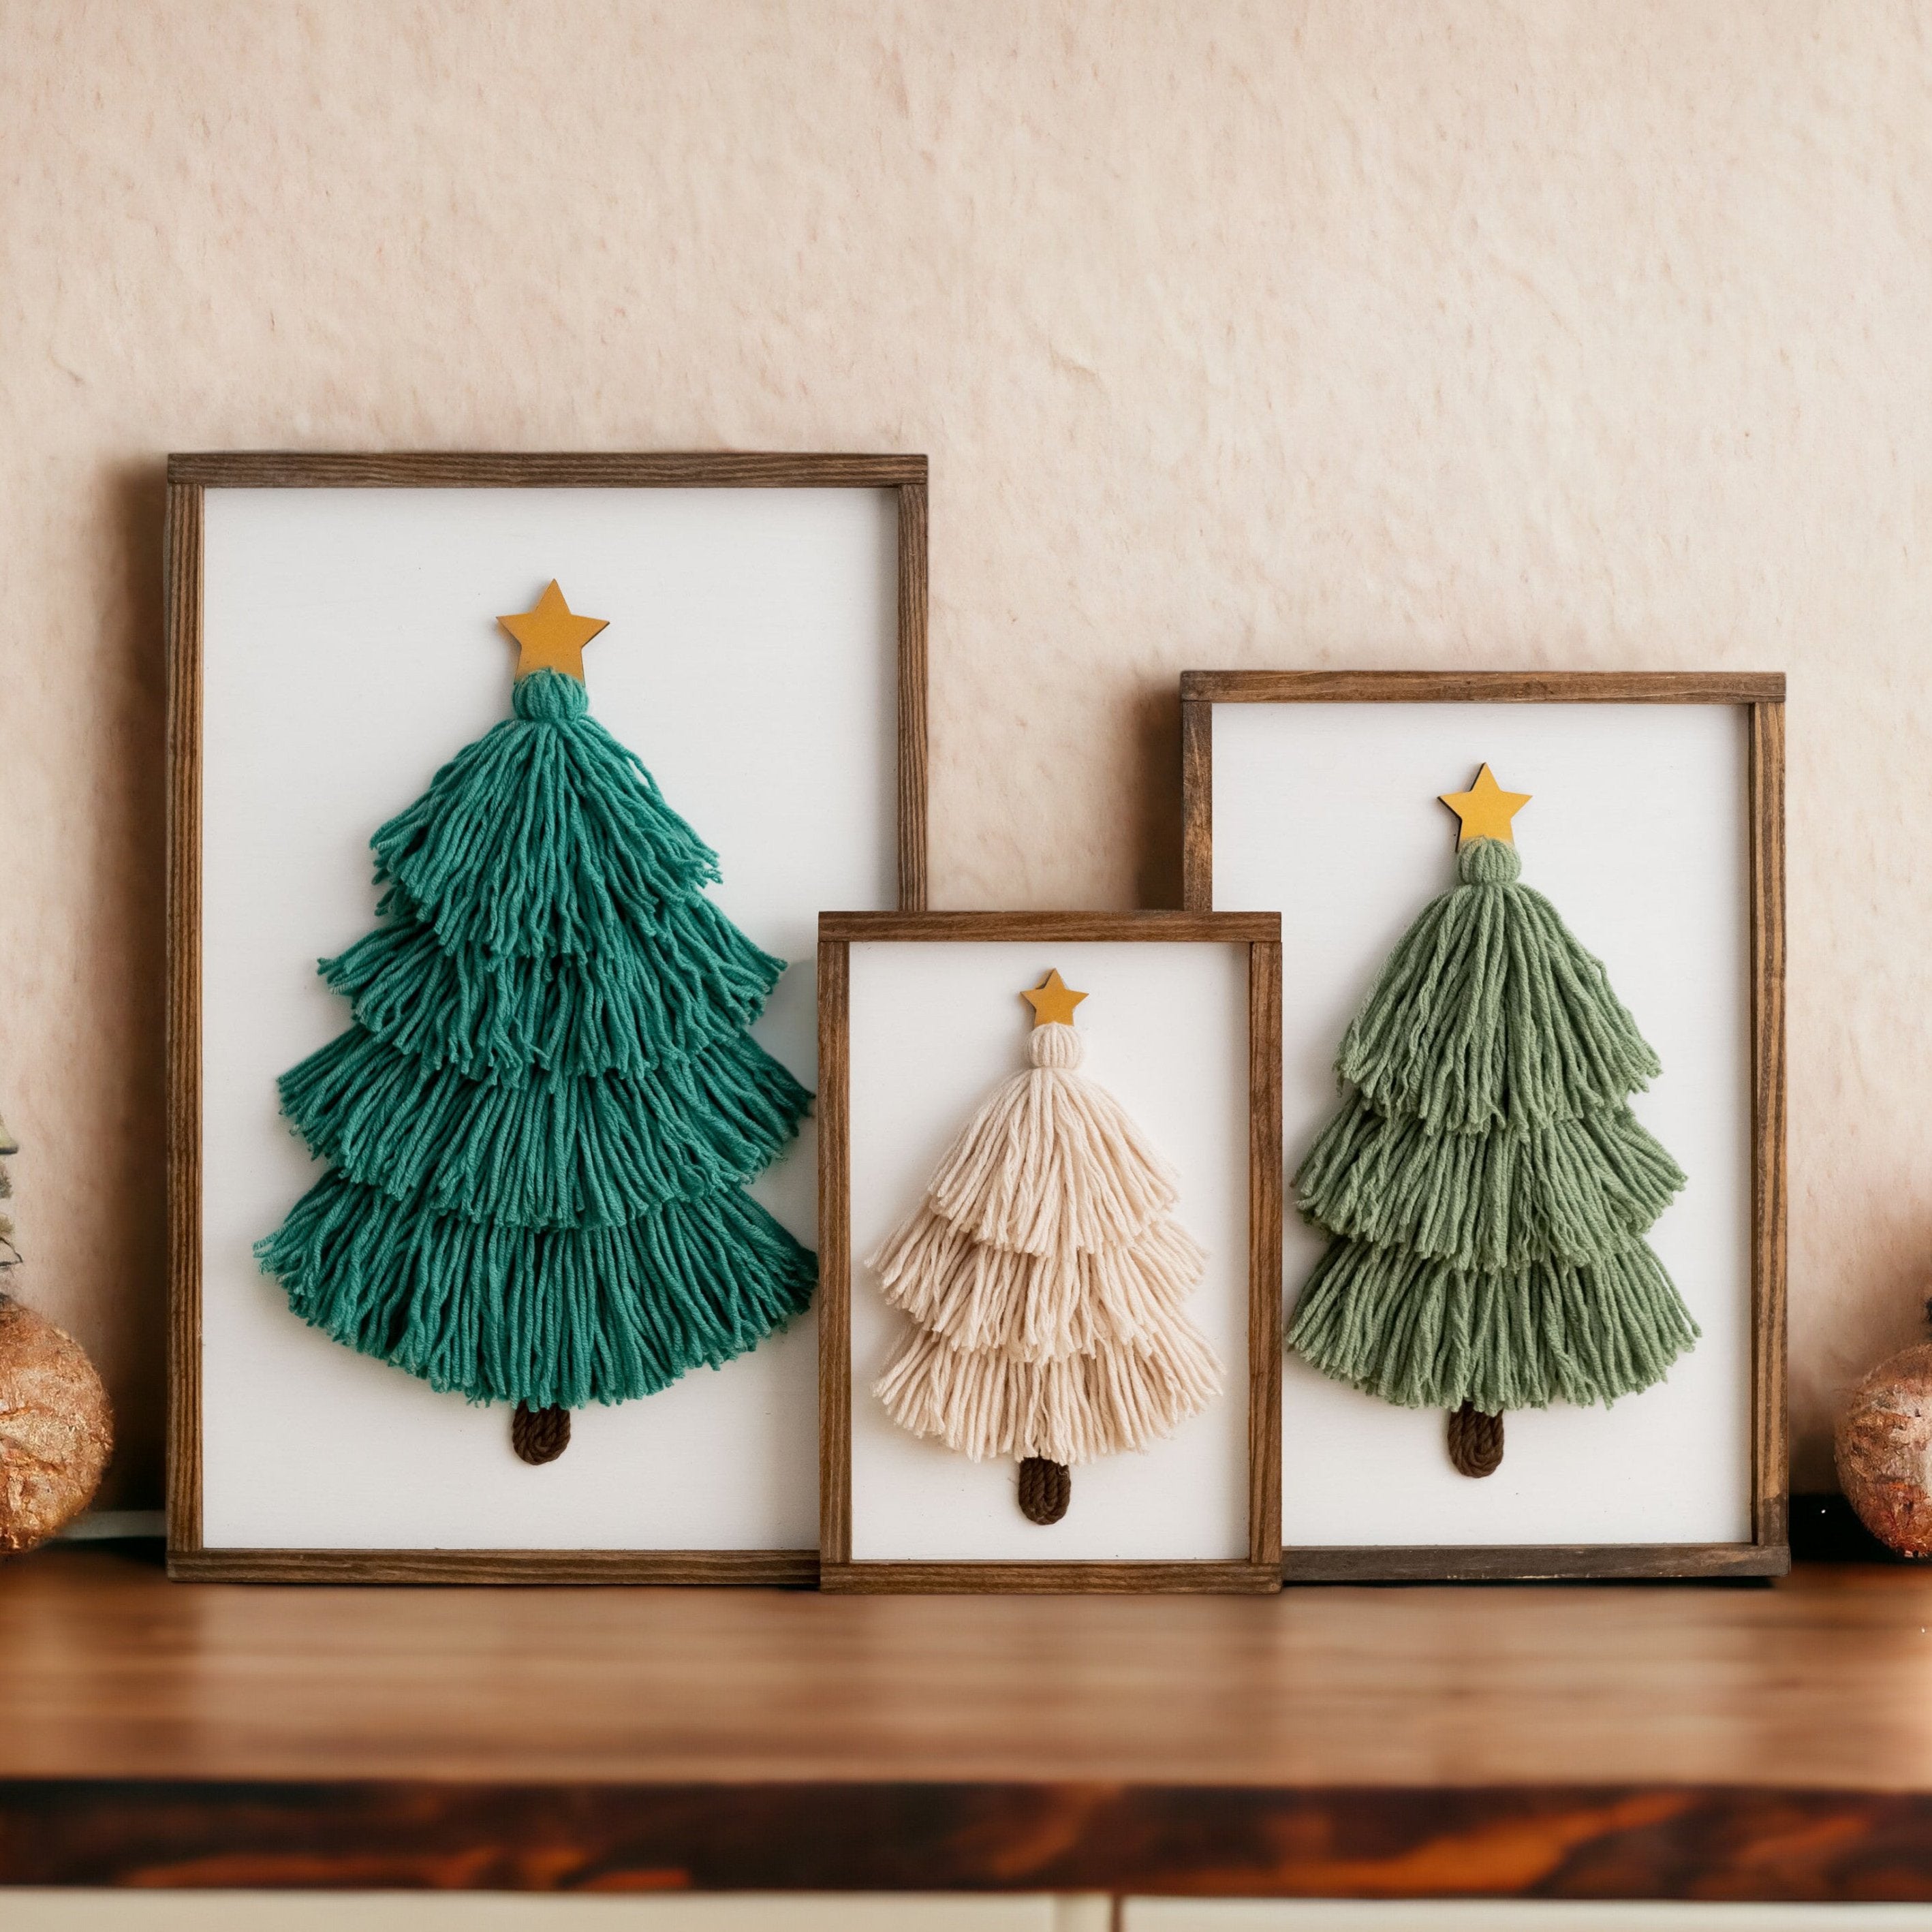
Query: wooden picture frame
[1259, 1571]
[1760, 697]
[189, 478]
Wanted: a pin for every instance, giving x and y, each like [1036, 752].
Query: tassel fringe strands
[542, 1120]
[1489, 1014]
[1047, 1280]
[1487, 1185]
[1424, 1335]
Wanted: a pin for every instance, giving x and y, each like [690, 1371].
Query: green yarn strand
[1419, 1333]
[554, 1152]
[641, 999]
[1489, 1014]
[1572, 1190]
[552, 1319]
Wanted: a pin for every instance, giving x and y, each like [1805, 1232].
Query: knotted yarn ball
[1054, 1045]
[56, 1429]
[549, 698]
[1884, 1444]
[1488, 861]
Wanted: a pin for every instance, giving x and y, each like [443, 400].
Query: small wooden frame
[1259, 1571]
[1761, 697]
[190, 477]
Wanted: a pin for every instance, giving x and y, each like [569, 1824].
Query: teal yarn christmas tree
[540, 1124]
[1486, 1186]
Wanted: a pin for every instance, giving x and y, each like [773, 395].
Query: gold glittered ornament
[56, 1429]
[1883, 1444]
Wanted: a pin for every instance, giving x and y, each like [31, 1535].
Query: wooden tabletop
[1671, 1741]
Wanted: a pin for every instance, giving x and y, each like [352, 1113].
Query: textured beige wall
[1441, 333]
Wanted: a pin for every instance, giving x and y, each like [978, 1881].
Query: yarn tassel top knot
[1488, 861]
[549, 698]
[1054, 1044]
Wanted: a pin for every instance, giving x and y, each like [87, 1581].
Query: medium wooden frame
[1761, 696]
[189, 476]
[1260, 1571]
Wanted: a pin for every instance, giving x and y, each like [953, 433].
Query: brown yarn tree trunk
[1046, 1488]
[1475, 1441]
[539, 1436]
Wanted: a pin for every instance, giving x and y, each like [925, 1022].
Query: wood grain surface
[1596, 1740]
[182, 596]
[789, 1569]
[1482, 687]
[107, 1669]
[834, 1254]
[1165, 928]
[1127, 1578]
[1264, 1211]
[1596, 1842]
[1197, 800]
[1534, 1563]
[1770, 1433]
[914, 889]
[542, 469]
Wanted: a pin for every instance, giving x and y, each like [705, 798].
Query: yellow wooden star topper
[1053, 1000]
[1485, 809]
[552, 637]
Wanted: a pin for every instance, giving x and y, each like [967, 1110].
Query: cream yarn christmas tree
[1047, 1278]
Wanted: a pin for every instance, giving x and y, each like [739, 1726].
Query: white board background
[350, 649]
[1638, 833]
[934, 1027]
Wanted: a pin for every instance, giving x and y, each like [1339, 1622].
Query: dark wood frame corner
[190, 478]
[1761, 696]
[1260, 1571]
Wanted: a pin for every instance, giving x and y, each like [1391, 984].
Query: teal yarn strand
[544, 834]
[1486, 1185]
[641, 999]
[549, 1152]
[541, 1121]
[552, 1318]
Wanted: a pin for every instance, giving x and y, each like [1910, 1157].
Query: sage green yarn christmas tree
[1486, 1184]
[541, 1125]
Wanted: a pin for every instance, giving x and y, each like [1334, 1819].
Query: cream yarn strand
[1047, 1278]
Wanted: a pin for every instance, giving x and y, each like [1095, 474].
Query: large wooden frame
[1260, 1571]
[1761, 696]
[189, 476]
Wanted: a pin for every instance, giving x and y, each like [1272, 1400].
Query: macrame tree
[1486, 1184]
[1046, 1278]
[542, 1121]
